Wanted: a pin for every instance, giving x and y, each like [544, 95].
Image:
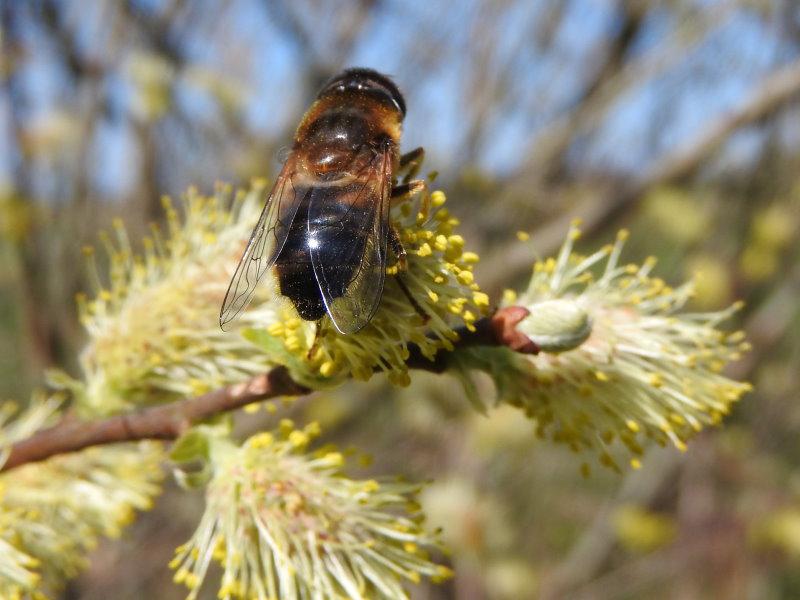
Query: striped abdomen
[335, 236]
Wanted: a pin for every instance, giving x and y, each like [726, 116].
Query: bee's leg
[402, 265]
[398, 249]
[413, 161]
[318, 334]
[404, 190]
[411, 300]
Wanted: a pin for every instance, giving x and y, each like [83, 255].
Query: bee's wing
[265, 244]
[356, 238]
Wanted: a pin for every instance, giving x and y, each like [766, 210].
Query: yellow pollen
[335, 459]
[466, 277]
[410, 547]
[438, 199]
[327, 368]
[299, 439]
[509, 296]
[736, 337]
[424, 250]
[313, 429]
[370, 486]
[677, 419]
[523, 236]
[456, 241]
[480, 299]
[293, 343]
[262, 440]
[180, 576]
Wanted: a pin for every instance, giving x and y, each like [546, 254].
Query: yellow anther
[480, 299]
[465, 277]
[456, 241]
[262, 440]
[424, 250]
[334, 459]
[327, 368]
[370, 485]
[438, 199]
[299, 439]
[509, 296]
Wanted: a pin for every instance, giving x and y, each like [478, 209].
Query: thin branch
[165, 422]
[170, 421]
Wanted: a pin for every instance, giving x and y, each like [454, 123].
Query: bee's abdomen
[297, 283]
[336, 239]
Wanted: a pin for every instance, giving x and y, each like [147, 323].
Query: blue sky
[260, 59]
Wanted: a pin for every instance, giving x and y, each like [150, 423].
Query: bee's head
[366, 81]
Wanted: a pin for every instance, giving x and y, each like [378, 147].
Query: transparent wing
[348, 232]
[265, 244]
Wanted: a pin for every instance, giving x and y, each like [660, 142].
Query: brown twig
[165, 422]
[169, 421]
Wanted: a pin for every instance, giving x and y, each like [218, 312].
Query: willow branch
[165, 422]
[170, 421]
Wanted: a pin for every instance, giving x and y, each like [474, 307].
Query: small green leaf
[191, 446]
[193, 454]
[278, 353]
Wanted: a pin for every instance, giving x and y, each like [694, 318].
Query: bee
[325, 227]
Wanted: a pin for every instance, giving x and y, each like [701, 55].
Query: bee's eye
[340, 87]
